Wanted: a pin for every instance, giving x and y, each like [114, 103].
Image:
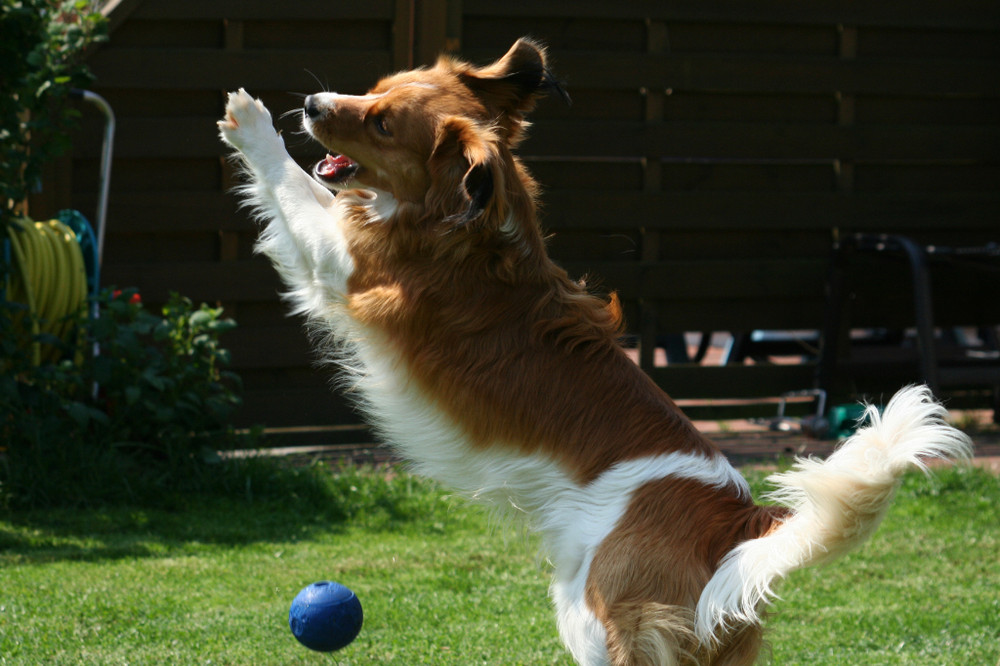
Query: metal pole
[106, 151]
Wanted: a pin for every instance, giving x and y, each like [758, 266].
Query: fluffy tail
[836, 505]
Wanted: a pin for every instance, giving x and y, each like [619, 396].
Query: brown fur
[471, 345]
[647, 575]
[440, 259]
[494, 285]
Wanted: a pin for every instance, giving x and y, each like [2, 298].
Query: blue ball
[325, 616]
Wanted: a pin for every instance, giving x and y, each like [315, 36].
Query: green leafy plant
[40, 46]
[161, 378]
[133, 408]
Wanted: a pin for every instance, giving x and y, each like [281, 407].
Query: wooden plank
[264, 347]
[693, 37]
[732, 381]
[729, 279]
[158, 103]
[293, 396]
[766, 312]
[727, 211]
[281, 34]
[163, 248]
[709, 105]
[285, 407]
[976, 110]
[169, 212]
[965, 14]
[210, 68]
[149, 175]
[200, 281]
[934, 42]
[430, 31]
[165, 68]
[927, 177]
[402, 38]
[320, 10]
[764, 141]
[156, 138]
[486, 38]
[148, 138]
[790, 278]
[168, 34]
[746, 243]
[770, 74]
[749, 175]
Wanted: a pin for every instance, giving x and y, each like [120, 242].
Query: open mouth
[336, 169]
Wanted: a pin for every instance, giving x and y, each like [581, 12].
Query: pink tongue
[333, 164]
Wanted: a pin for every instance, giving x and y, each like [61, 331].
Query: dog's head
[437, 138]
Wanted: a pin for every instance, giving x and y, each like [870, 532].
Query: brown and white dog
[494, 372]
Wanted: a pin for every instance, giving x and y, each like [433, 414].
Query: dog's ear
[511, 86]
[463, 171]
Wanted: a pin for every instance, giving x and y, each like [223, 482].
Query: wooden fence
[713, 152]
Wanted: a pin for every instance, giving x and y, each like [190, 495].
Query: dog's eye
[380, 125]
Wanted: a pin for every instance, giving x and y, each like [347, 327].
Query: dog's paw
[247, 122]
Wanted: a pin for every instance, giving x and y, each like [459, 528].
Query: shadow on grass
[271, 504]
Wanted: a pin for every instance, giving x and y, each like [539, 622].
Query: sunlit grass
[202, 580]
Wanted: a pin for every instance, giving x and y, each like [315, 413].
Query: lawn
[201, 580]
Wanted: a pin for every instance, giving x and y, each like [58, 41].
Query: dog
[414, 250]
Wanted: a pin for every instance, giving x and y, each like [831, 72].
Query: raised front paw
[247, 124]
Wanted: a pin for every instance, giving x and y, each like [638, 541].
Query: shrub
[40, 45]
[162, 379]
[134, 417]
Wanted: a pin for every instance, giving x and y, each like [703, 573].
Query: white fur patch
[837, 505]
[580, 630]
[583, 518]
[304, 238]
[572, 519]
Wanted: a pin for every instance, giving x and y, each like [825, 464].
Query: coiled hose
[49, 275]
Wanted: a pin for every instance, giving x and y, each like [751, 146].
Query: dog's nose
[312, 107]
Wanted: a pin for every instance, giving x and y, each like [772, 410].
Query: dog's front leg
[303, 236]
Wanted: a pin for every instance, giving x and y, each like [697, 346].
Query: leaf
[132, 395]
[83, 414]
[154, 380]
[162, 330]
[200, 319]
[220, 326]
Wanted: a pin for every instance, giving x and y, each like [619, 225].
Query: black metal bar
[834, 329]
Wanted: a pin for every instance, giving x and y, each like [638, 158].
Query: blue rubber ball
[325, 616]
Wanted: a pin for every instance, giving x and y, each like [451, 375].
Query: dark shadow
[275, 505]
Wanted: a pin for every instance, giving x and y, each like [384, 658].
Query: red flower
[134, 299]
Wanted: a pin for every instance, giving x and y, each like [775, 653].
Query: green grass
[202, 580]
[925, 590]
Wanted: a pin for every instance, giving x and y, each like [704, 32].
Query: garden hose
[49, 276]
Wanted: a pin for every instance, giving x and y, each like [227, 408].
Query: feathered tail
[836, 505]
